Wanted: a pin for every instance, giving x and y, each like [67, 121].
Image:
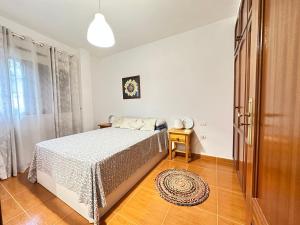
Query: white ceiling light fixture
[99, 32]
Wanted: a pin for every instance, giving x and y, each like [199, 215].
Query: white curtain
[8, 155]
[66, 92]
[37, 99]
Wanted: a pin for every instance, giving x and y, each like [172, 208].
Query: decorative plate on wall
[188, 123]
[131, 87]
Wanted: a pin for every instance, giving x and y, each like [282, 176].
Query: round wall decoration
[182, 187]
[188, 123]
[131, 87]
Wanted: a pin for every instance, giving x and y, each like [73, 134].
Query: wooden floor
[31, 204]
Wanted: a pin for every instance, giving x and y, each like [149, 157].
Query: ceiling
[134, 22]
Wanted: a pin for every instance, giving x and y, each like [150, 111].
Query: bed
[91, 171]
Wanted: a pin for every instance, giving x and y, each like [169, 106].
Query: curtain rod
[41, 44]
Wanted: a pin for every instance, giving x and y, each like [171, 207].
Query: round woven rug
[182, 187]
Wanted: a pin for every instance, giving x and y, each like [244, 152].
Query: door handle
[243, 114]
[249, 122]
[244, 124]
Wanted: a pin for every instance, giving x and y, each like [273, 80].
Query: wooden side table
[182, 136]
[104, 125]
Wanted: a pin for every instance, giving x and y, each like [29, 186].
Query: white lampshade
[99, 32]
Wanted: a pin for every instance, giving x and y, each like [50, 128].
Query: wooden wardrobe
[266, 124]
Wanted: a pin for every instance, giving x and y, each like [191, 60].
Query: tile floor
[31, 204]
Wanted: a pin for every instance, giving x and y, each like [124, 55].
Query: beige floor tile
[141, 206]
[50, 212]
[10, 209]
[120, 220]
[180, 215]
[34, 196]
[225, 165]
[209, 175]
[17, 184]
[228, 180]
[23, 219]
[145, 208]
[207, 162]
[210, 204]
[123, 201]
[225, 221]
[169, 164]
[107, 217]
[149, 180]
[231, 205]
[73, 219]
[3, 193]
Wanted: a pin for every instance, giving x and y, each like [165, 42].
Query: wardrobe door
[237, 33]
[277, 199]
[241, 96]
[241, 112]
[236, 110]
[244, 15]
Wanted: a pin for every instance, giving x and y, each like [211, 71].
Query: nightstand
[182, 136]
[104, 125]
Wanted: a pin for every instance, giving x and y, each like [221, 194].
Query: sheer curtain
[39, 99]
[66, 92]
[8, 155]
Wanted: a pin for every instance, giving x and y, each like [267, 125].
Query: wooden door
[277, 185]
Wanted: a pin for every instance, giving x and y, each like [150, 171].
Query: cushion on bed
[127, 123]
[160, 122]
[149, 124]
[116, 121]
[132, 123]
[137, 123]
[161, 127]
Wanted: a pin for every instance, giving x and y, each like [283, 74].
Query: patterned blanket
[93, 164]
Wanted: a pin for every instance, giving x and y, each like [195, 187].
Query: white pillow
[149, 124]
[126, 122]
[132, 123]
[116, 121]
[138, 124]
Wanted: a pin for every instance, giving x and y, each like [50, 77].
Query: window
[22, 87]
[30, 94]
[46, 90]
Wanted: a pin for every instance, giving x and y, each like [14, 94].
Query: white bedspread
[93, 163]
[95, 145]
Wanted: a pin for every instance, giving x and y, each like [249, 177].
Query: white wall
[20, 29]
[85, 75]
[189, 74]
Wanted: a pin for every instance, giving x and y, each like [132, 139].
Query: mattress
[71, 198]
[93, 164]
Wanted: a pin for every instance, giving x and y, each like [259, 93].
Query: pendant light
[99, 32]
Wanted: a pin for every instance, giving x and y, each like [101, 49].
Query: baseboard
[207, 157]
